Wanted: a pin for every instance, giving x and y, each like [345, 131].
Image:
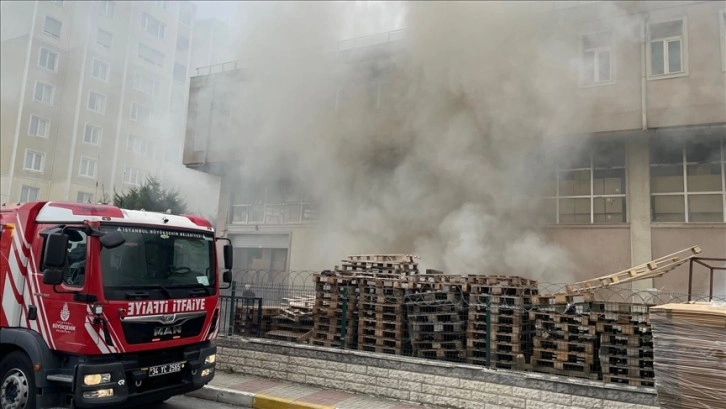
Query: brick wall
[422, 381]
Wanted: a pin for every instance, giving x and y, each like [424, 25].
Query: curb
[251, 400]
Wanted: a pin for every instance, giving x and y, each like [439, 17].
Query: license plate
[166, 369]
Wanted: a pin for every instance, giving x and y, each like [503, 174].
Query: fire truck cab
[105, 307]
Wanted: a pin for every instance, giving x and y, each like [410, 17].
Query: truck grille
[143, 332]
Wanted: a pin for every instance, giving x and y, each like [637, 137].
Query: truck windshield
[158, 260]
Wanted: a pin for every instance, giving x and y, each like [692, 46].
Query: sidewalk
[263, 393]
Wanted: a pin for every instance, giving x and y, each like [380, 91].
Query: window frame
[85, 194]
[105, 102]
[99, 30]
[591, 196]
[135, 108]
[156, 84]
[269, 209]
[146, 23]
[99, 137]
[685, 194]
[40, 57]
[36, 154]
[684, 49]
[48, 33]
[597, 50]
[52, 93]
[40, 118]
[104, 8]
[150, 61]
[26, 189]
[89, 161]
[95, 60]
[135, 141]
[139, 173]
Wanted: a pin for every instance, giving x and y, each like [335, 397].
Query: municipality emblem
[65, 313]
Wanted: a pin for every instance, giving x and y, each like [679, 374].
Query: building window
[134, 176]
[596, 58]
[140, 113]
[33, 160]
[138, 145]
[97, 102]
[84, 197]
[146, 84]
[106, 8]
[43, 93]
[100, 70]
[180, 72]
[92, 134]
[591, 188]
[52, 27]
[38, 126]
[687, 180]
[152, 26]
[48, 59]
[104, 38]
[150, 55]
[667, 48]
[87, 167]
[29, 193]
[281, 203]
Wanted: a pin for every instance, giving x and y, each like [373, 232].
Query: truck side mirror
[53, 276]
[228, 257]
[56, 251]
[227, 276]
[54, 258]
[113, 239]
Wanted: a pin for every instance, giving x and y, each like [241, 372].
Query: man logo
[172, 330]
[65, 314]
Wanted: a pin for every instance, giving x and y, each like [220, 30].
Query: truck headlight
[96, 378]
[210, 359]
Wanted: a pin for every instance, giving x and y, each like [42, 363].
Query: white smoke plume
[439, 148]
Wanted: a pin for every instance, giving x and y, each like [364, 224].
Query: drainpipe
[644, 73]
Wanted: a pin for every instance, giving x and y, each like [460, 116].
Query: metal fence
[605, 336]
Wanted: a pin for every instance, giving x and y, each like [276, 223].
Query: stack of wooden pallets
[295, 319]
[508, 335]
[626, 343]
[332, 291]
[565, 343]
[400, 265]
[436, 324]
[381, 315]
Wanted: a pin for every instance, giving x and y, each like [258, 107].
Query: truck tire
[17, 382]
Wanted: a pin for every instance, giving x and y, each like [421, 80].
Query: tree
[152, 197]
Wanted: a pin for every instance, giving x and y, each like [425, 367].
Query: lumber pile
[565, 342]
[295, 319]
[381, 315]
[690, 355]
[626, 343]
[508, 332]
[400, 265]
[436, 323]
[335, 310]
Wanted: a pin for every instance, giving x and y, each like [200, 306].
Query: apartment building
[648, 92]
[93, 96]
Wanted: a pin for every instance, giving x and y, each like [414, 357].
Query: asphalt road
[185, 402]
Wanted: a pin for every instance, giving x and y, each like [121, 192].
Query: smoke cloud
[439, 145]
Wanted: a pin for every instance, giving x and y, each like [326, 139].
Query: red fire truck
[105, 307]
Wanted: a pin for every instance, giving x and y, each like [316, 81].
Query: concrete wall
[711, 239]
[422, 381]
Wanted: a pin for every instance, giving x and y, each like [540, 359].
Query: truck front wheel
[17, 385]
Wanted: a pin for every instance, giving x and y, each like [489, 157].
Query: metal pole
[343, 323]
[690, 278]
[489, 331]
[232, 308]
[710, 288]
[259, 317]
